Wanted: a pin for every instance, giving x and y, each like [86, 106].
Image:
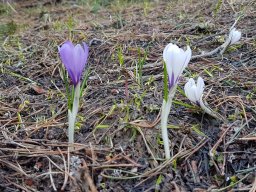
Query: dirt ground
[118, 138]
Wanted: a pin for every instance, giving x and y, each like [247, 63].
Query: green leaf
[66, 82]
[173, 127]
[158, 182]
[184, 104]
[197, 130]
[84, 83]
[166, 90]
[71, 97]
[174, 164]
[120, 57]
[208, 72]
[181, 91]
[102, 126]
[159, 139]
[217, 7]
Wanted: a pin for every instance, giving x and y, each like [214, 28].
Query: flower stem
[72, 115]
[209, 111]
[166, 107]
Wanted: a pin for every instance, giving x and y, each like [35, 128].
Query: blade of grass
[166, 90]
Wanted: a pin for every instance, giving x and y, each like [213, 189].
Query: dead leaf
[39, 90]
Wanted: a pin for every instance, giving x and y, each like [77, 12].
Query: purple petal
[171, 80]
[69, 43]
[78, 62]
[66, 53]
[86, 51]
[74, 59]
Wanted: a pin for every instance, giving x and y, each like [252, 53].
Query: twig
[237, 133]
[177, 189]
[51, 178]
[231, 185]
[252, 138]
[48, 173]
[197, 147]
[87, 176]
[213, 150]
[145, 141]
[54, 163]
[93, 154]
[118, 165]
[145, 123]
[14, 167]
[18, 186]
[11, 7]
[66, 170]
[135, 175]
[253, 189]
[156, 170]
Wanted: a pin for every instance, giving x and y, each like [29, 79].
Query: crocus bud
[234, 36]
[194, 91]
[74, 59]
[176, 60]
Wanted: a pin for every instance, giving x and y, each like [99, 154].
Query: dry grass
[118, 143]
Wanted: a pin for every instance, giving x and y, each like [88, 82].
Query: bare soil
[118, 140]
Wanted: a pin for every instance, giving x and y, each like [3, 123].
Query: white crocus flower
[176, 60]
[234, 36]
[194, 91]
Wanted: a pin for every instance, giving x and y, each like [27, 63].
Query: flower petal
[200, 87]
[86, 51]
[74, 59]
[189, 90]
[194, 91]
[191, 94]
[188, 54]
[182, 62]
[234, 36]
[66, 55]
[169, 55]
[176, 60]
[165, 54]
[78, 62]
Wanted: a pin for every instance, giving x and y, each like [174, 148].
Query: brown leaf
[39, 90]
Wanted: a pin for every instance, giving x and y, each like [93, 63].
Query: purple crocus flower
[74, 59]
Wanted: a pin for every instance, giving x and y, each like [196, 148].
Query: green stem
[72, 114]
[166, 107]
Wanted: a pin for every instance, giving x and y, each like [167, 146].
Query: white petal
[192, 94]
[234, 36]
[185, 59]
[176, 60]
[165, 54]
[188, 54]
[187, 87]
[200, 87]
[190, 90]
[171, 52]
[179, 62]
